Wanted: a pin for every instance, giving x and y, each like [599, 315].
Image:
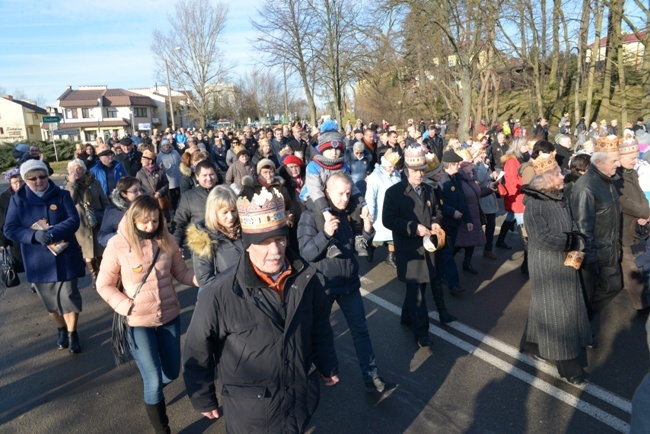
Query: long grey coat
[557, 317]
[87, 237]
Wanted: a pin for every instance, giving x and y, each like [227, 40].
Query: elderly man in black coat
[411, 212]
[265, 326]
[596, 209]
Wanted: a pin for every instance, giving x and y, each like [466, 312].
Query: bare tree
[335, 40]
[286, 33]
[190, 46]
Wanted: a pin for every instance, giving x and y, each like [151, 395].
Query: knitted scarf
[326, 163]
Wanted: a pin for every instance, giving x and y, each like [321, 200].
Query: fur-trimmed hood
[507, 157]
[185, 169]
[118, 201]
[202, 240]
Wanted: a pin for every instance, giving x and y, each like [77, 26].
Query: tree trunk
[495, 102]
[582, 42]
[466, 101]
[595, 57]
[555, 55]
[611, 50]
[620, 4]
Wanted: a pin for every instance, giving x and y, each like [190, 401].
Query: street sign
[70, 132]
[51, 119]
[54, 126]
[144, 126]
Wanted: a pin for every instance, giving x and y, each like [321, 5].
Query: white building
[160, 95]
[94, 110]
[20, 120]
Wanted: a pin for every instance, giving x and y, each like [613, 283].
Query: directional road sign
[69, 132]
[51, 119]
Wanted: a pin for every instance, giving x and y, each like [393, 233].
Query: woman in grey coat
[216, 242]
[558, 326]
[90, 201]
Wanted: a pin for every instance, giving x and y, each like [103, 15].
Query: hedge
[65, 150]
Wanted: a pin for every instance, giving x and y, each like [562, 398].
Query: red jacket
[513, 200]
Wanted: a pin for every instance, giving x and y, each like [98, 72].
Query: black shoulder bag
[120, 346]
[9, 275]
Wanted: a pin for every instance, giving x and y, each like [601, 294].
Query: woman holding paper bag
[558, 326]
[43, 219]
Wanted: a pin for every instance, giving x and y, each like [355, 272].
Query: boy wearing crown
[265, 326]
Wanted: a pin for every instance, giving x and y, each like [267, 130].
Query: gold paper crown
[607, 144]
[628, 145]
[544, 163]
[392, 157]
[239, 149]
[464, 154]
[414, 156]
[433, 164]
[263, 213]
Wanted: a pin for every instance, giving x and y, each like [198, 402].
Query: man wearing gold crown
[265, 326]
[411, 212]
[597, 211]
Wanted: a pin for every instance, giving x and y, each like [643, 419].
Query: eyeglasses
[41, 177]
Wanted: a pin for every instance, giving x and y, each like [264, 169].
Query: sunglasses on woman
[41, 177]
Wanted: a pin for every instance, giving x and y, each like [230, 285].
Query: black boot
[505, 227]
[371, 253]
[390, 259]
[62, 342]
[439, 300]
[467, 266]
[158, 417]
[74, 347]
[94, 269]
[524, 265]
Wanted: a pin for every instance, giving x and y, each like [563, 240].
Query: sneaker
[333, 252]
[378, 384]
[361, 245]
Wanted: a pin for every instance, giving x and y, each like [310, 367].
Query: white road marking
[574, 401]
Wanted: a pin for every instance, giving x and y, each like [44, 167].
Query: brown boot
[90, 263]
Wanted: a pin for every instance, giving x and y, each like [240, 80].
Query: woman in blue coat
[52, 257]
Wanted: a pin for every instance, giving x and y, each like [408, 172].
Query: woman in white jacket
[378, 182]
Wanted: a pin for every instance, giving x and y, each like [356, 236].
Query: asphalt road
[473, 381]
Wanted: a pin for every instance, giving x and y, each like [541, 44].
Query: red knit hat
[292, 159]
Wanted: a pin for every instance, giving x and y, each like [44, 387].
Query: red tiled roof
[110, 98]
[626, 38]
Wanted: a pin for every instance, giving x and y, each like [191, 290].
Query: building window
[111, 112]
[2, 131]
[31, 130]
[71, 113]
[85, 113]
[140, 112]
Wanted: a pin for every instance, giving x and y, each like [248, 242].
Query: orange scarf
[278, 285]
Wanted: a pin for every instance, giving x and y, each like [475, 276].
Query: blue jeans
[157, 352]
[352, 307]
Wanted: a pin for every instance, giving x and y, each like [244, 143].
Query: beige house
[633, 50]
[93, 110]
[20, 120]
[160, 96]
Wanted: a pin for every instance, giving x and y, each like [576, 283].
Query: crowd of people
[275, 220]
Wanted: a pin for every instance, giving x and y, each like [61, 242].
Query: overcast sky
[47, 46]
